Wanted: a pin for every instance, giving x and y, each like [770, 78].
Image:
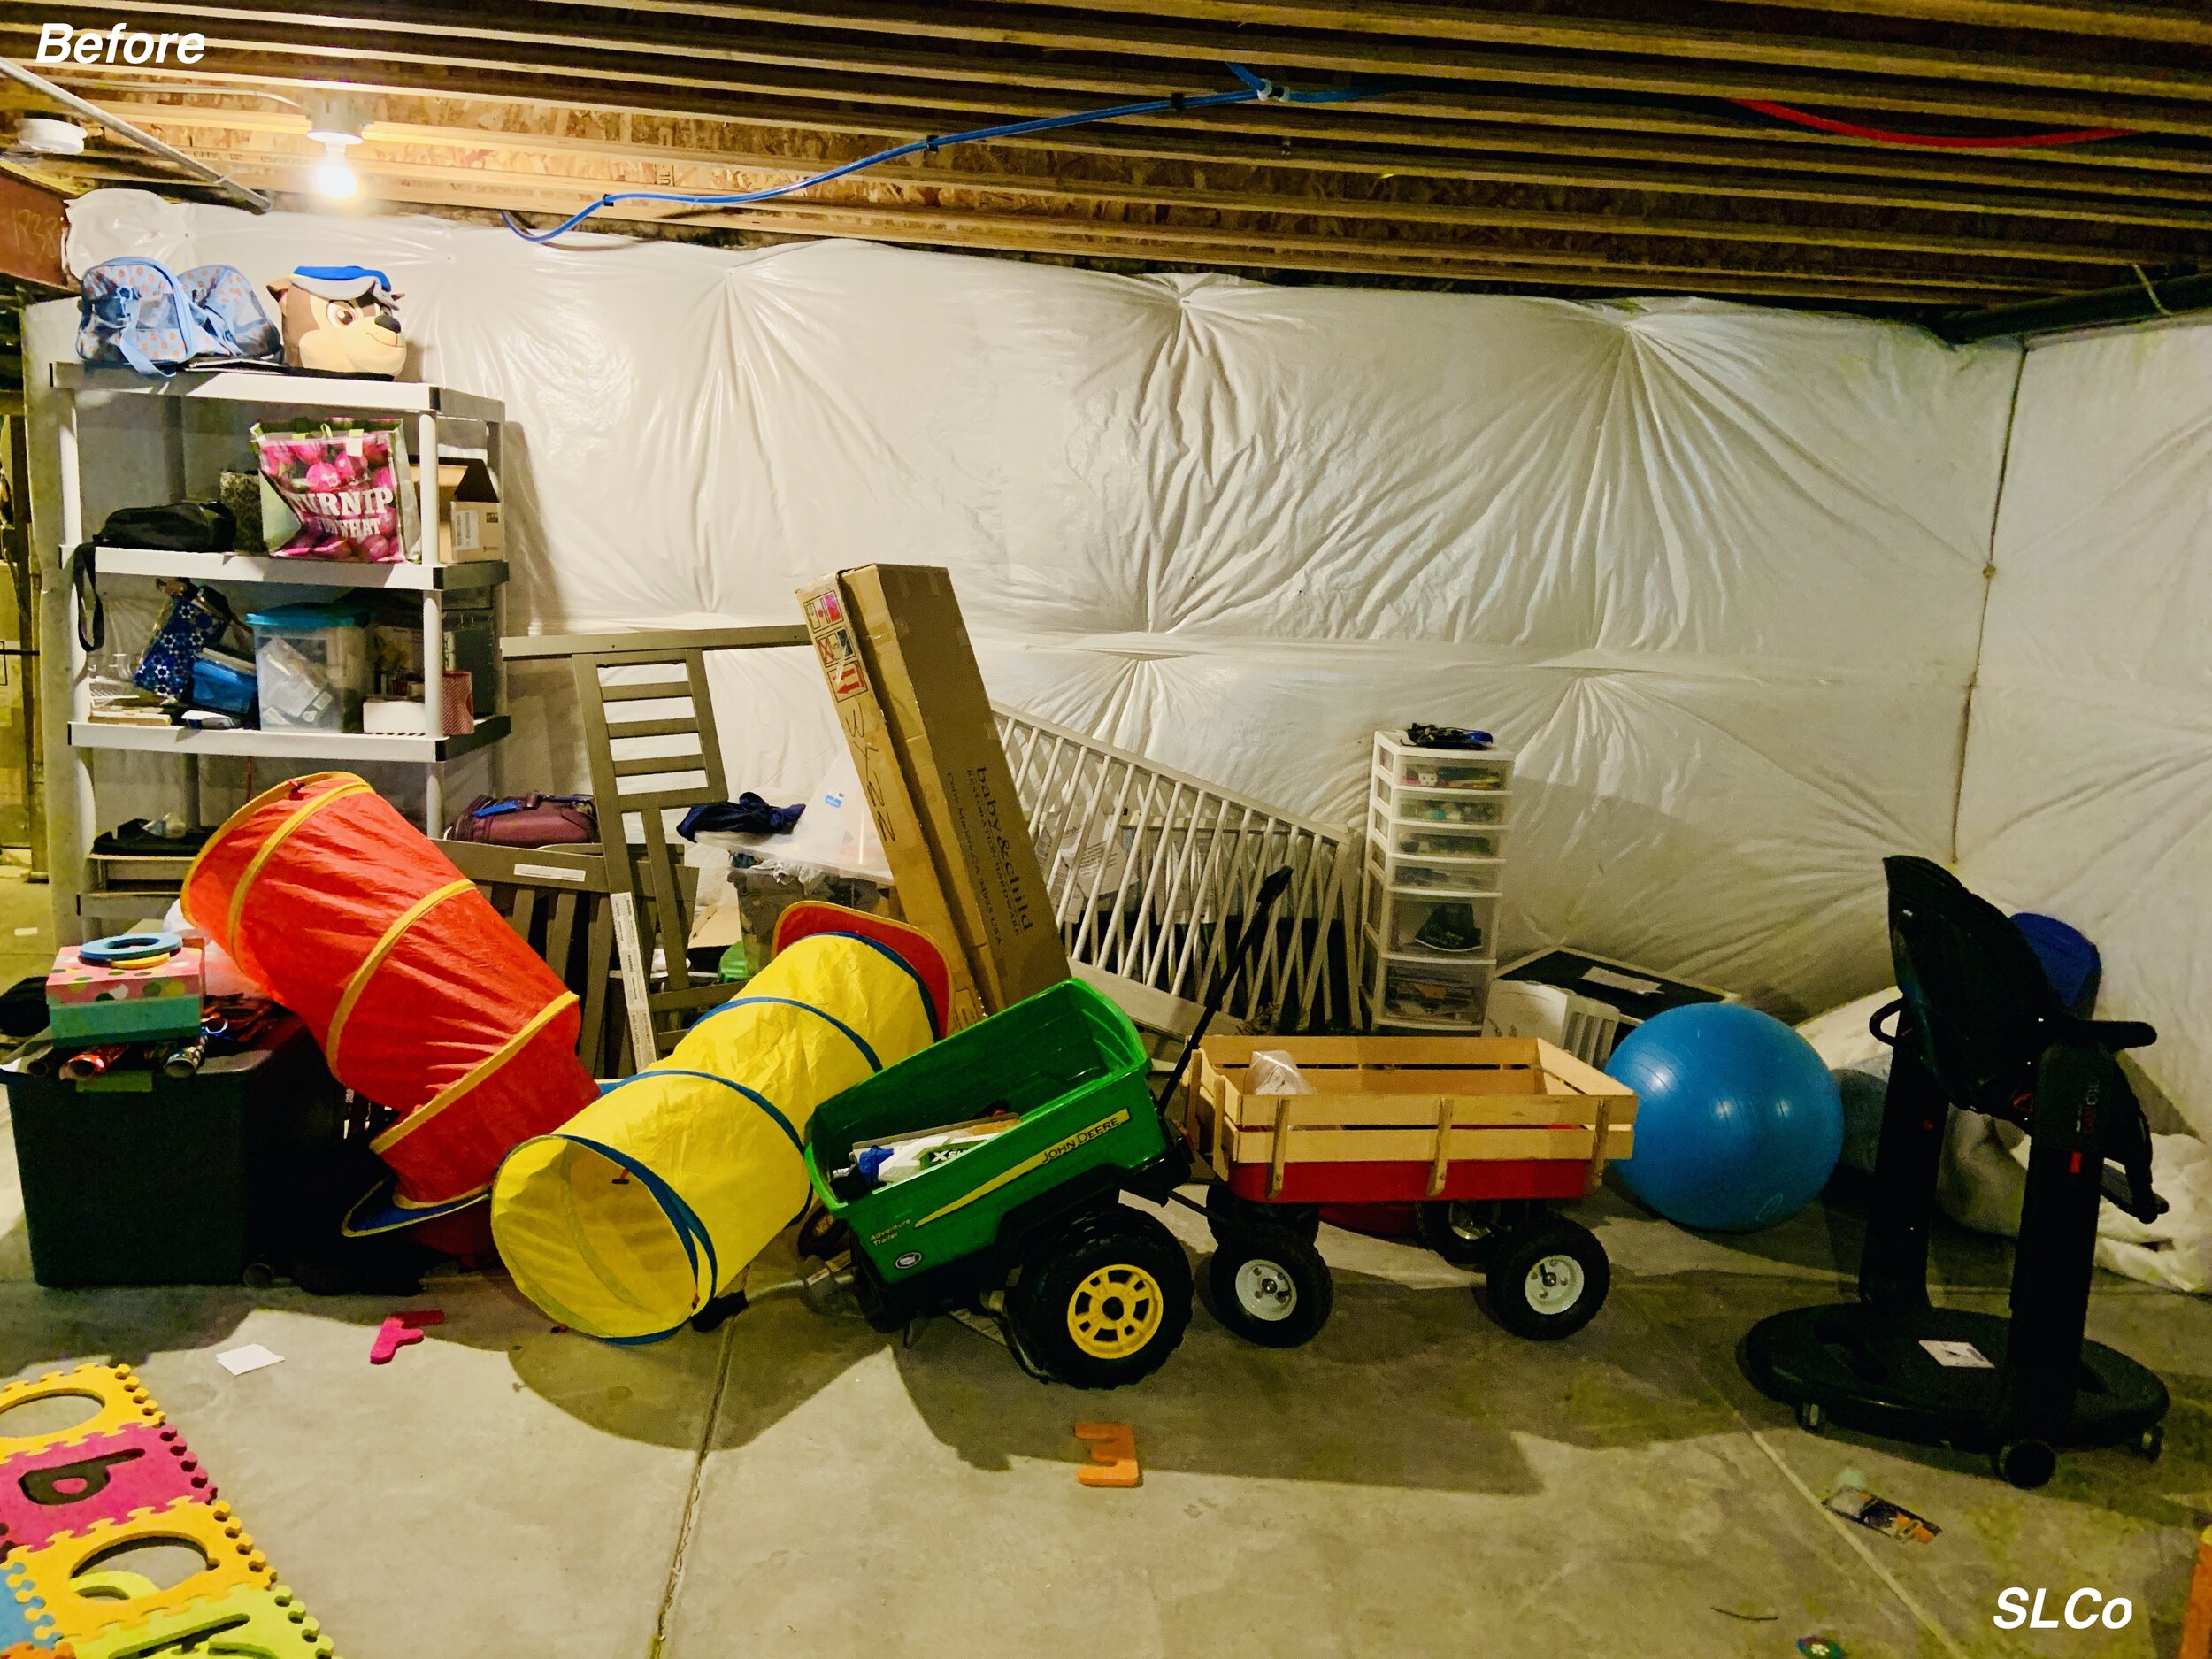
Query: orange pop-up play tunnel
[423, 998]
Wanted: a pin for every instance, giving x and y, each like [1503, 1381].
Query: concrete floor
[1415, 1483]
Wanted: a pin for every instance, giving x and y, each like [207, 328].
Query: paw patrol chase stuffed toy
[340, 319]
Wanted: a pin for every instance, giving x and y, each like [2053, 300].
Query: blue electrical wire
[1256, 89]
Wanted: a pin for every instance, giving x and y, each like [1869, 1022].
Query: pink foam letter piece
[402, 1330]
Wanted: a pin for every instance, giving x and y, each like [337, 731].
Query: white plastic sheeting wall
[2088, 783]
[1717, 573]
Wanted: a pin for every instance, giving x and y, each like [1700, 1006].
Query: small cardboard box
[86, 1002]
[911, 702]
[469, 523]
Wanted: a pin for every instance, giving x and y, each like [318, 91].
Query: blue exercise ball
[1738, 1123]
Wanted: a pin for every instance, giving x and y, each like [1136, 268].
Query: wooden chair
[557, 900]
[647, 721]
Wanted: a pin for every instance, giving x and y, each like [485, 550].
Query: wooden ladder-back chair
[558, 901]
[647, 721]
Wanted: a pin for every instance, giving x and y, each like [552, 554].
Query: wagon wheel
[1227, 1213]
[1103, 1301]
[1466, 1232]
[1548, 1280]
[822, 1235]
[1269, 1286]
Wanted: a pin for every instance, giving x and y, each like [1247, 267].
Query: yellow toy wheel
[1115, 1311]
[1103, 1298]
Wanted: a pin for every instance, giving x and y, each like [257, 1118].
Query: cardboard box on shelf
[910, 700]
[469, 525]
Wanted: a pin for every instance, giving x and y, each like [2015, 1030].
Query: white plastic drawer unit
[1436, 841]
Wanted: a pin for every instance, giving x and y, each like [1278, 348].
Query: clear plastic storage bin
[1446, 928]
[311, 665]
[1426, 841]
[1428, 990]
[1411, 768]
[1440, 806]
[1432, 877]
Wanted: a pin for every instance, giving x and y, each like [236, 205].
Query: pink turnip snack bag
[348, 485]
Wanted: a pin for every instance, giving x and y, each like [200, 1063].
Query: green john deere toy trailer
[1101, 1292]
[1104, 1291]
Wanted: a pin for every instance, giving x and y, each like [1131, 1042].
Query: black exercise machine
[1979, 1027]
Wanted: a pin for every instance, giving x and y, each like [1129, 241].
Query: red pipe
[1918, 141]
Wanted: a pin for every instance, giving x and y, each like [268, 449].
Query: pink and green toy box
[86, 1002]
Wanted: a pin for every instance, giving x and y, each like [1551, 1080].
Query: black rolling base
[1862, 1367]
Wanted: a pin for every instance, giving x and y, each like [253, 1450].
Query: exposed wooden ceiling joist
[2155, 202]
[1594, 252]
[2174, 20]
[1432, 49]
[1585, 145]
[686, 51]
[1262, 195]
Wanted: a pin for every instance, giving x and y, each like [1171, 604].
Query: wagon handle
[1263, 908]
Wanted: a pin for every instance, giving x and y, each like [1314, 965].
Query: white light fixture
[334, 121]
[334, 178]
[43, 136]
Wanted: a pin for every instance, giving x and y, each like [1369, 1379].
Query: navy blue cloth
[2073, 965]
[748, 815]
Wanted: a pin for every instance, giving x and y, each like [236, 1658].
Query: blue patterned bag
[196, 617]
[138, 312]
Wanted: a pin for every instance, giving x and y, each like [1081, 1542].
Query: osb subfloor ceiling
[1561, 146]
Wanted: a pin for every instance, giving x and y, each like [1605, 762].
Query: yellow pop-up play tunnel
[637, 1211]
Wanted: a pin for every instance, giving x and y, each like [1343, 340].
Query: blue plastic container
[225, 683]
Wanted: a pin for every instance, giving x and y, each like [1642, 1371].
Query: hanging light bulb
[335, 177]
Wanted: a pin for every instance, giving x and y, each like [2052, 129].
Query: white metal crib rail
[1150, 870]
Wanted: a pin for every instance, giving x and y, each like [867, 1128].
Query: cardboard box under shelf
[910, 700]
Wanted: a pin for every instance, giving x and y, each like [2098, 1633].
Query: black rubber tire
[1467, 1233]
[1112, 1240]
[2027, 1464]
[1226, 1213]
[1289, 1307]
[1519, 1255]
[820, 1236]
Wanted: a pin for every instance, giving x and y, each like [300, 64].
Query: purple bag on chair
[527, 820]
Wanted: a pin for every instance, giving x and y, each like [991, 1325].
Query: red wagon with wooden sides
[1482, 1135]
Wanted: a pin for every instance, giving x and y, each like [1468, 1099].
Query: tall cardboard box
[470, 520]
[910, 700]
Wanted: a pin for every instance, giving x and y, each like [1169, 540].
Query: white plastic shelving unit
[1437, 821]
[435, 411]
